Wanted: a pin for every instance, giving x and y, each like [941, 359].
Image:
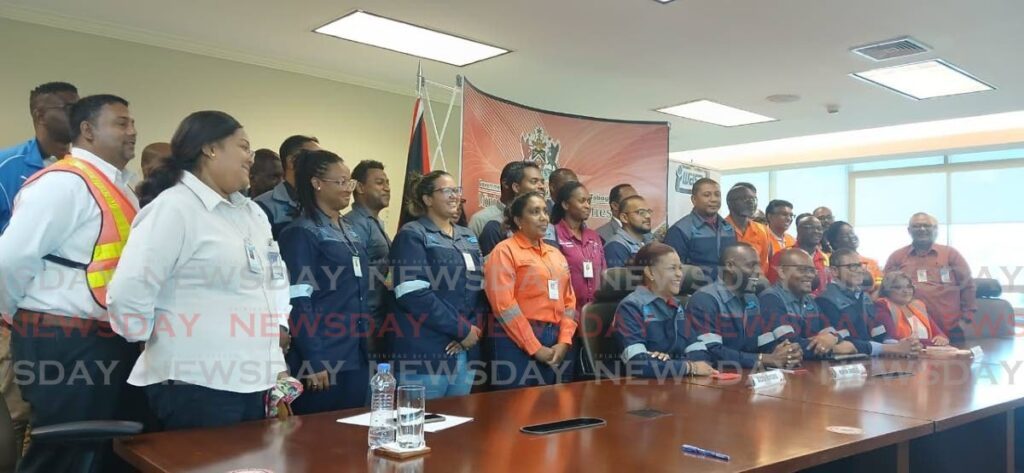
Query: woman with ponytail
[436, 267]
[202, 283]
[330, 273]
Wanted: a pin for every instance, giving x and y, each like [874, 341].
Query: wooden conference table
[949, 413]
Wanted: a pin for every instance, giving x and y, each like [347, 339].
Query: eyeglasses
[450, 192]
[344, 184]
[643, 212]
[801, 269]
[851, 266]
[923, 226]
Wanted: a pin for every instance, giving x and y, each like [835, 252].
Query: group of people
[225, 271]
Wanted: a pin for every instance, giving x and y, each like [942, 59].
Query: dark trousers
[514, 368]
[348, 389]
[956, 335]
[72, 370]
[187, 406]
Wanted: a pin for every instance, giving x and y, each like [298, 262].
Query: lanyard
[341, 231]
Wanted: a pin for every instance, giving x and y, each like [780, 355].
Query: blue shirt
[330, 312]
[17, 164]
[700, 244]
[720, 319]
[439, 294]
[279, 206]
[492, 234]
[787, 317]
[646, 323]
[371, 232]
[852, 314]
[620, 248]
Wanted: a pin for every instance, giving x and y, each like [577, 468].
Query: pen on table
[704, 453]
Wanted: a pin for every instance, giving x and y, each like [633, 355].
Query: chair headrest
[693, 279]
[988, 288]
[617, 283]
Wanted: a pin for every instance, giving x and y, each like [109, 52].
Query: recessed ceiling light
[402, 37]
[783, 98]
[664, 1]
[924, 80]
[715, 113]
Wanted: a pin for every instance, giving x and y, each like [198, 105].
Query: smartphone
[431, 418]
[893, 374]
[854, 356]
[563, 425]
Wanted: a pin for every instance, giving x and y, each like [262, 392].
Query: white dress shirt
[184, 285]
[56, 214]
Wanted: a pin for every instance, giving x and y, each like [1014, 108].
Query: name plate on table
[977, 353]
[849, 371]
[767, 378]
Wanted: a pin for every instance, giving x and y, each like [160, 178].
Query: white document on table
[448, 422]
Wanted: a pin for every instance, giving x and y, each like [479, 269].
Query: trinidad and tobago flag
[418, 163]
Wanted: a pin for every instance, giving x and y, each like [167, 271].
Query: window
[986, 156]
[898, 163]
[975, 196]
[758, 179]
[810, 188]
[987, 222]
[883, 206]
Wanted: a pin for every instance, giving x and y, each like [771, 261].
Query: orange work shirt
[519, 278]
[757, 236]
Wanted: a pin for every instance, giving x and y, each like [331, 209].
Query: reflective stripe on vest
[117, 214]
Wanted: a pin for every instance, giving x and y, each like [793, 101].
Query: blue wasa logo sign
[686, 176]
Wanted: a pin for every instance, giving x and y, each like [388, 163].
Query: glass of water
[411, 407]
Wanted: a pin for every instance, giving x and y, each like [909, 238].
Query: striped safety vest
[117, 215]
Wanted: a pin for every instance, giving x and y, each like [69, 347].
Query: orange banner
[603, 153]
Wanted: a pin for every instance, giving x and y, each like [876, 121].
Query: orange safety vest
[117, 215]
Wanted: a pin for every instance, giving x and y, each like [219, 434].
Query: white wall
[164, 86]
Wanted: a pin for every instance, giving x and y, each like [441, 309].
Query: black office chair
[89, 436]
[995, 317]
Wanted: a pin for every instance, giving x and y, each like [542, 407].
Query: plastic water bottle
[382, 407]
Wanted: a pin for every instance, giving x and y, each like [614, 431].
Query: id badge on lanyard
[553, 289]
[250, 255]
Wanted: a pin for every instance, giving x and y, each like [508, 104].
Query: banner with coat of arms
[602, 152]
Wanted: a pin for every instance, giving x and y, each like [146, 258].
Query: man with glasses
[742, 203]
[852, 312]
[941, 276]
[780, 216]
[726, 316]
[616, 196]
[635, 216]
[808, 238]
[789, 311]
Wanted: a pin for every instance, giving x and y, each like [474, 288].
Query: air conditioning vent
[891, 49]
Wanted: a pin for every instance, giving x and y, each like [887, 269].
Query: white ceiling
[611, 58]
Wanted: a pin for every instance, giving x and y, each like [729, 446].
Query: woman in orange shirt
[909, 317]
[528, 286]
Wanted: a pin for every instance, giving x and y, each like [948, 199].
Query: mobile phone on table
[563, 425]
[431, 418]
